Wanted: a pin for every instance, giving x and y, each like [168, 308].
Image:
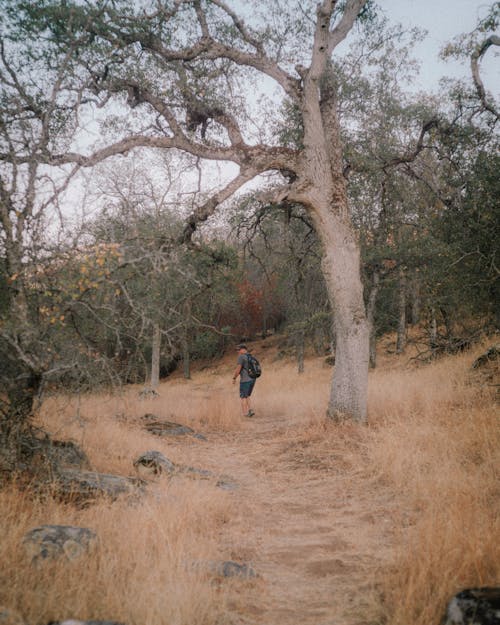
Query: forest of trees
[123, 255]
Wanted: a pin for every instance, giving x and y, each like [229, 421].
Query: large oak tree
[192, 69]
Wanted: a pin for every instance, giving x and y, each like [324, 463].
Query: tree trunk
[326, 196]
[341, 269]
[433, 331]
[155, 357]
[299, 347]
[186, 360]
[401, 339]
[319, 341]
[415, 300]
[370, 313]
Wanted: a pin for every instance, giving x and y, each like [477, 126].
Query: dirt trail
[313, 532]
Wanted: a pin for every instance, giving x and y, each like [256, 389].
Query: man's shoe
[250, 413]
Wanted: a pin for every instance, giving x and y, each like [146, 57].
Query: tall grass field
[432, 448]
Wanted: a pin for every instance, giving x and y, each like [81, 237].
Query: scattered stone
[474, 606]
[153, 464]
[148, 393]
[223, 481]
[169, 428]
[232, 569]
[10, 617]
[83, 486]
[54, 541]
[226, 484]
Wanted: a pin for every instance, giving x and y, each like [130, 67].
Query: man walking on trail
[246, 382]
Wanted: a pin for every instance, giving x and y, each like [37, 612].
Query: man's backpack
[253, 367]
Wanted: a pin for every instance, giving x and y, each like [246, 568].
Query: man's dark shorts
[246, 388]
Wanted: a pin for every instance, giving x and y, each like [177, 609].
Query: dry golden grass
[435, 443]
[142, 571]
[431, 451]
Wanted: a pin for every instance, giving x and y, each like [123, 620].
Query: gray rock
[10, 617]
[153, 464]
[229, 568]
[224, 482]
[169, 428]
[474, 606]
[148, 393]
[83, 486]
[54, 541]
[54, 455]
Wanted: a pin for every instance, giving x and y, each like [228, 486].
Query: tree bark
[348, 395]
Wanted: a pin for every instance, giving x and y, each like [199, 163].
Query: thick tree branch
[493, 40]
[410, 156]
[206, 48]
[341, 30]
[206, 210]
[240, 25]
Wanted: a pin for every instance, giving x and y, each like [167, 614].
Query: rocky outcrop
[46, 456]
[81, 487]
[168, 428]
[474, 606]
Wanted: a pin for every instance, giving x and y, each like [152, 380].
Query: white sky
[444, 20]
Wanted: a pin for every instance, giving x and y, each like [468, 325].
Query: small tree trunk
[448, 327]
[370, 314]
[433, 330]
[415, 301]
[299, 347]
[319, 341]
[401, 339]
[186, 359]
[155, 357]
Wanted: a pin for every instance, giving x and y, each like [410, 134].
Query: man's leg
[250, 412]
